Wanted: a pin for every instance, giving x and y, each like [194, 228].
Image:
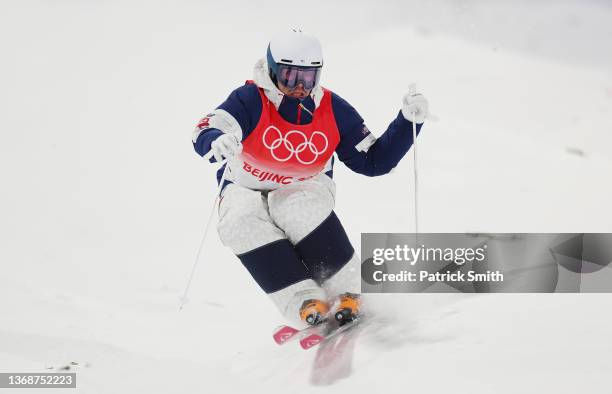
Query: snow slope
[103, 201]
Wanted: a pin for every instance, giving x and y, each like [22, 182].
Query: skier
[278, 133]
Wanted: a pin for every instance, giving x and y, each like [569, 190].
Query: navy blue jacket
[245, 105]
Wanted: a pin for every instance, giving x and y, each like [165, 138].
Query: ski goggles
[292, 76]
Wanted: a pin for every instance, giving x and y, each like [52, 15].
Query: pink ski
[328, 332]
[284, 334]
[311, 340]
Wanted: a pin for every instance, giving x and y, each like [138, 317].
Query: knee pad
[326, 249]
[275, 266]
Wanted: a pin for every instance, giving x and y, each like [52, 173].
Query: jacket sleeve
[237, 115]
[361, 151]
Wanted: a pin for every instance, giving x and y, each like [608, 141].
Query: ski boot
[349, 307]
[313, 312]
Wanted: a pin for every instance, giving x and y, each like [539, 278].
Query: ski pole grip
[412, 89]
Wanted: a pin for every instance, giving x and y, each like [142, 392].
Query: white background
[103, 200]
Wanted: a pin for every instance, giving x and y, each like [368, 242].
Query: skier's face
[298, 92]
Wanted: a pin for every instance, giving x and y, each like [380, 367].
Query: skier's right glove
[415, 107]
[225, 147]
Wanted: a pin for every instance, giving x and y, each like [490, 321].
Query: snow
[103, 201]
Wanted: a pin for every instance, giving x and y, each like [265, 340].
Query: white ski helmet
[295, 57]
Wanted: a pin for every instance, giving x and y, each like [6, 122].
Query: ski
[327, 332]
[284, 333]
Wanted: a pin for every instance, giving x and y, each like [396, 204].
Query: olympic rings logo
[292, 147]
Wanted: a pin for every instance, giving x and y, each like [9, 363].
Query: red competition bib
[279, 153]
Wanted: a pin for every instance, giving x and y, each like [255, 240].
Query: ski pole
[412, 91]
[197, 259]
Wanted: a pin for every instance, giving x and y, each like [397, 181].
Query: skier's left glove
[225, 147]
[415, 107]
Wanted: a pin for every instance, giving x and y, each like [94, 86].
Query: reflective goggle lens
[291, 76]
